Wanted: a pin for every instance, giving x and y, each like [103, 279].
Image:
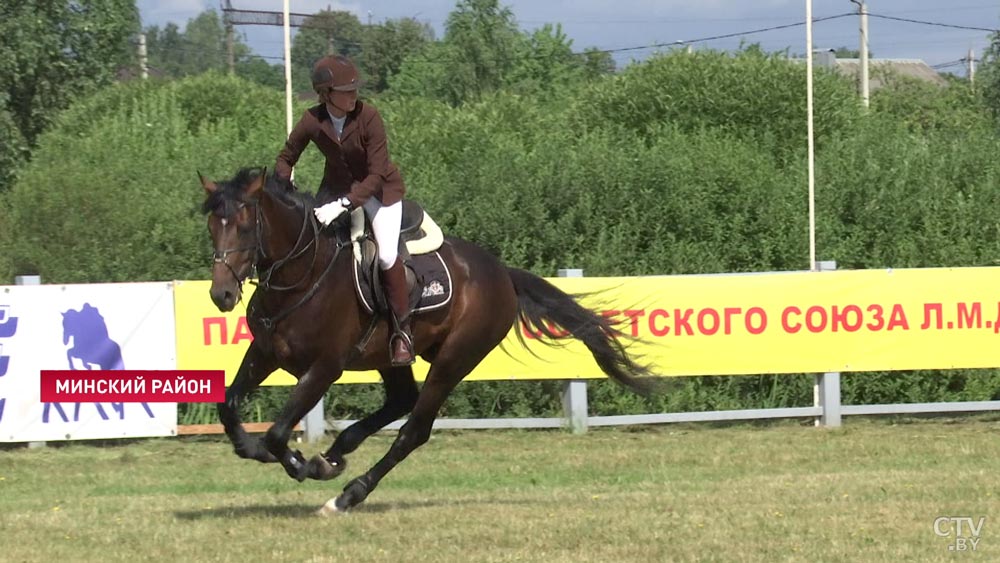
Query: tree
[597, 63]
[483, 52]
[204, 43]
[426, 73]
[549, 63]
[989, 75]
[55, 52]
[13, 147]
[201, 47]
[487, 43]
[386, 46]
[165, 49]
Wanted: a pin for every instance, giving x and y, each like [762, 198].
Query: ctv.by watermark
[963, 532]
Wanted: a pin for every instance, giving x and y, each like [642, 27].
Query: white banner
[80, 327]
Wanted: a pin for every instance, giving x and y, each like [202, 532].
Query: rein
[269, 322]
[296, 252]
[265, 278]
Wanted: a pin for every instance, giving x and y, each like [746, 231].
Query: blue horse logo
[91, 344]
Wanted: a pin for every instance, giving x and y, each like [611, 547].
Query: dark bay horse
[306, 319]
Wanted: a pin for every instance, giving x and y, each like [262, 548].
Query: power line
[955, 63]
[724, 36]
[948, 64]
[935, 24]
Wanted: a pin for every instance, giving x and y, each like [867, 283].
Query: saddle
[427, 275]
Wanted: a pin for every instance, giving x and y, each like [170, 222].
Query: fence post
[30, 280]
[826, 386]
[314, 423]
[574, 394]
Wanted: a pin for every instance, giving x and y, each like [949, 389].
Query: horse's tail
[540, 303]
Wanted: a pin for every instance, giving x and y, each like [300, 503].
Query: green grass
[780, 492]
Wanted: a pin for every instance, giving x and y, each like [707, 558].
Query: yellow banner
[867, 320]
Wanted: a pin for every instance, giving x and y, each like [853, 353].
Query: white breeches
[386, 222]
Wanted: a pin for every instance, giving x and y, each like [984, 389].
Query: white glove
[327, 213]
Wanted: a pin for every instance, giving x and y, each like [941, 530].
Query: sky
[630, 27]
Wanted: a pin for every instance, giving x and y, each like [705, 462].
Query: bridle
[222, 256]
[297, 250]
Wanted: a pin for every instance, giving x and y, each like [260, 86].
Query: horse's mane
[224, 201]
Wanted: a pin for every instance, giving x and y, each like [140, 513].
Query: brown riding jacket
[357, 166]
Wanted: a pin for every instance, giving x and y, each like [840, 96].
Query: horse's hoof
[330, 509]
[355, 492]
[295, 465]
[321, 469]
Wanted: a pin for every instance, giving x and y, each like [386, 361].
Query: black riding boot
[401, 342]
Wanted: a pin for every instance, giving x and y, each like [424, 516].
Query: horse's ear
[209, 185]
[257, 183]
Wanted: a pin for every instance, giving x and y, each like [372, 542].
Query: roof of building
[913, 68]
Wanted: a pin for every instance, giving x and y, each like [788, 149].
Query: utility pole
[972, 67]
[863, 52]
[230, 52]
[329, 33]
[810, 141]
[143, 68]
[286, 28]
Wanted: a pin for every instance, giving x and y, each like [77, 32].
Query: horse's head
[231, 206]
[69, 324]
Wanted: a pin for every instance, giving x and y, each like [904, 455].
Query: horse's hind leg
[453, 363]
[256, 366]
[400, 397]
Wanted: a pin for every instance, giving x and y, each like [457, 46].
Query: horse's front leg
[256, 366]
[307, 392]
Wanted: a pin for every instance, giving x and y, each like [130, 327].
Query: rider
[358, 172]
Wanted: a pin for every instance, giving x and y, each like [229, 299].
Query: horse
[92, 345]
[305, 317]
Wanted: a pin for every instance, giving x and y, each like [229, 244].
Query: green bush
[749, 94]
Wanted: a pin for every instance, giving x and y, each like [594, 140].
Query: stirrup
[407, 341]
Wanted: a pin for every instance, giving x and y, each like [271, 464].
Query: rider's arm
[297, 142]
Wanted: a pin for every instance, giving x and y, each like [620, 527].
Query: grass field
[785, 492]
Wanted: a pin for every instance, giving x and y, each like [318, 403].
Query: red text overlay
[131, 386]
